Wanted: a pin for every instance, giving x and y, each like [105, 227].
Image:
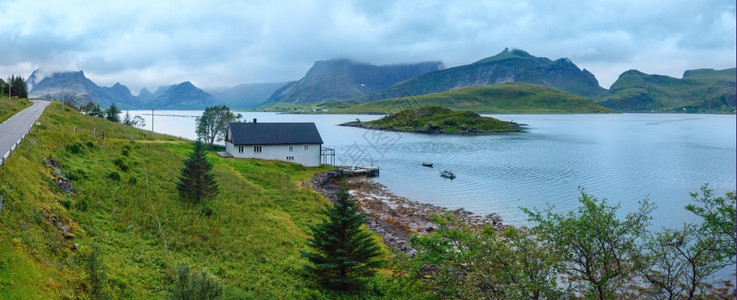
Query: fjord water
[621, 157]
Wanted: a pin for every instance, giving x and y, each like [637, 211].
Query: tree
[16, 87]
[139, 122]
[213, 124]
[492, 265]
[599, 252]
[345, 255]
[679, 262]
[195, 286]
[719, 219]
[196, 183]
[96, 111]
[127, 119]
[112, 113]
[97, 275]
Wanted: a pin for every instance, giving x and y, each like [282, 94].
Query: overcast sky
[224, 43]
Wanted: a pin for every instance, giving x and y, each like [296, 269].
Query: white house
[291, 142]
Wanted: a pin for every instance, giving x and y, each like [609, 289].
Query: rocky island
[438, 120]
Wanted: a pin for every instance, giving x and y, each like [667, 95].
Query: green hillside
[499, 98]
[700, 91]
[125, 202]
[8, 107]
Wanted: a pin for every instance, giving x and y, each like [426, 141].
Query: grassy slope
[707, 91]
[251, 242]
[442, 118]
[8, 107]
[498, 98]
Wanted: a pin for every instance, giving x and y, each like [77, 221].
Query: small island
[438, 120]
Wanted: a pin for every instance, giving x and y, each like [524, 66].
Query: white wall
[307, 158]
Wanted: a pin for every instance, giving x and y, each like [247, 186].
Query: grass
[251, 242]
[10, 106]
[441, 120]
[506, 98]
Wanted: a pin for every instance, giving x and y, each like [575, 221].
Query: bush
[207, 211]
[66, 202]
[74, 148]
[114, 176]
[121, 164]
[195, 285]
[132, 180]
[76, 174]
[83, 204]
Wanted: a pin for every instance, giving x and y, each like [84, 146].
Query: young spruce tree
[196, 183]
[344, 254]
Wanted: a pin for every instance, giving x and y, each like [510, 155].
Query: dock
[368, 171]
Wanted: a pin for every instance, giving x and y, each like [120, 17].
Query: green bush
[122, 165]
[76, 174]
[114, 176]
[83, 204]
[74, 148]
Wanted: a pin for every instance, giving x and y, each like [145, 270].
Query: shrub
[74, 148]
[83, 204]
[121, 164]
[66, 202]
[206, 210]
[76, 174]
[132, 180]
[114, 176]
[195, 285]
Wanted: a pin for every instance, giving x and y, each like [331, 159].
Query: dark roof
[274, 133]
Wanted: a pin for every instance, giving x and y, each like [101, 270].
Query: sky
[226, 42]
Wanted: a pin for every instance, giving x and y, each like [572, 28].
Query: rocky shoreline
[394, 218]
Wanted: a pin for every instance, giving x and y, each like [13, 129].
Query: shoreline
[393, 217]
[433, 130]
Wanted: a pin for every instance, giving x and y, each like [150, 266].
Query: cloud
[153, 43]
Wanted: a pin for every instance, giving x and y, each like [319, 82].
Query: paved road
[13, 128]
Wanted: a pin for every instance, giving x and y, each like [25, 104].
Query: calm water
[622, 157]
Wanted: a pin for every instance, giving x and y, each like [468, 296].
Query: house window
[307, 146]
[240, 149]
[291, 148]
[290, 157]
[257, 149]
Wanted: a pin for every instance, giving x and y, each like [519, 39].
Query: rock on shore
[394, 218]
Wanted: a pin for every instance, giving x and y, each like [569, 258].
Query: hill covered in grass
[699, 91]
[10, 106]
[499, 98]
[124, 202]
[436, 119]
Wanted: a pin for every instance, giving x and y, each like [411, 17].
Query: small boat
[426, 164]
[447, 174]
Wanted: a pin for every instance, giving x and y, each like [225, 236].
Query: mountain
[145, 95]
[702, 90]
[77, 88]
[510, 97]
[245, 95]
[507, 66]
[342, 79]
[181, 96]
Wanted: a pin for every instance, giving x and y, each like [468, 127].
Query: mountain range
[343, 79]
[346, 81]
[79, 90]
